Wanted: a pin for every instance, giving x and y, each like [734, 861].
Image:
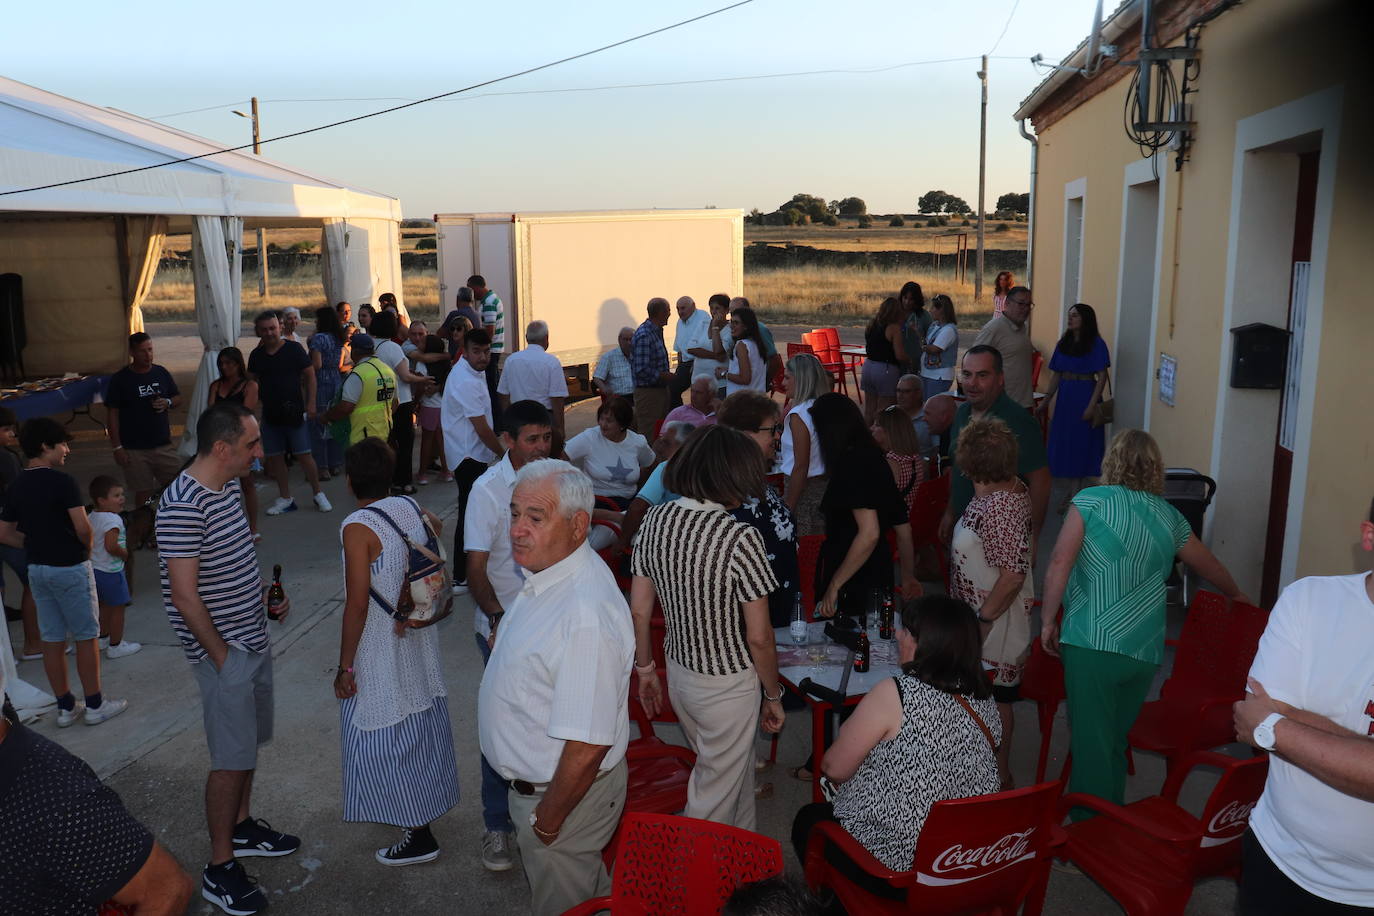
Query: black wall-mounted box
[1259, 356]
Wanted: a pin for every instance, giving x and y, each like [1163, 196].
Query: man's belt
[522, 787]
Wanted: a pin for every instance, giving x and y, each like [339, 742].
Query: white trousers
[720, 716]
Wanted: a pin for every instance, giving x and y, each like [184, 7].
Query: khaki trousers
[569, 870]
[720, 716]
[651, 405]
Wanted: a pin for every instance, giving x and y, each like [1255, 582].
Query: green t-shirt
[1030, 445]
[1115, 600]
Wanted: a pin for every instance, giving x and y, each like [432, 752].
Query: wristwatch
[1264, 732]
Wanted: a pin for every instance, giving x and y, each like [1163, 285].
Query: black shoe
[230, 888]
[416, 846]
[255, 837]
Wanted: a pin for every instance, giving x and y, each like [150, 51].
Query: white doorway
[1133, 349]
[1074, 193]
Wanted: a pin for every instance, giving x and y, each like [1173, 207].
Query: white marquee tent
[87, 252]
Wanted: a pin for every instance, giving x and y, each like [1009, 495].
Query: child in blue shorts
[108, 553]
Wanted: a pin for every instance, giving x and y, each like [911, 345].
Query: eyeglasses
[775, 429]
[891, 408]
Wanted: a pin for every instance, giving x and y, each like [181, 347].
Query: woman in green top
[1109, 568]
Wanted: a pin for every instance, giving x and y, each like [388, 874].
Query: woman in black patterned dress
[926, 736]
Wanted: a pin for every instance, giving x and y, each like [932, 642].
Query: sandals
[802, 773]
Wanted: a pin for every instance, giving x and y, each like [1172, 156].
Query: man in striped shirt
[493, 315]
[213, 593]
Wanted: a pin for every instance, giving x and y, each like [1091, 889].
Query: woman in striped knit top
[712, 576]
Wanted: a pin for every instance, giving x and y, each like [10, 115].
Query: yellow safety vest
[371, 416]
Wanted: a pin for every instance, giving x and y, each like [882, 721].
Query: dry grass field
[800, 294]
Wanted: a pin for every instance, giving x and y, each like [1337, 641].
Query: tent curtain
[217, 266]
[360, 260]
[140, 240]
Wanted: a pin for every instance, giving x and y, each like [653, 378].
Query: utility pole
[262, 251]
[982, 179]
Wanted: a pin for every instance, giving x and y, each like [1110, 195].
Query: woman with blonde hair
[803, 380]
[895, 435]
[1109, 567]
[990, 563]
[886, 357]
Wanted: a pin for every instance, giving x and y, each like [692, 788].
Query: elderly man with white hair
[692, 341]
[290, 321]
[700, 409]
[551, 711]
[535, 374]
[613, 376]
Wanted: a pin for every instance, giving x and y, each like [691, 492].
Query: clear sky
[886, 137]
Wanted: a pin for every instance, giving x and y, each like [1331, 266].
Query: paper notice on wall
[1168, 376]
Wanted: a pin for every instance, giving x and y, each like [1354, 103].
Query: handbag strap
[987, 732]
[1107, 385]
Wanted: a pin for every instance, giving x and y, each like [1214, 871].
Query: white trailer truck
[589, 273]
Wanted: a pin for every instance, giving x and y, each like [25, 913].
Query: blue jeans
[495, 807]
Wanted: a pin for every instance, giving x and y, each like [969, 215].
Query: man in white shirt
[613, 376]
[551, 711]
[534, 374]
[1310, 846]
[1009, 332]
[692, 340]
[495, 581]
[290, 323]
[469, 443]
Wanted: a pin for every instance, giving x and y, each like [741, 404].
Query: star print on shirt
[618, 471]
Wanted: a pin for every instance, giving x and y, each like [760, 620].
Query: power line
[1005, 26]
[566, 89]
[374, 114]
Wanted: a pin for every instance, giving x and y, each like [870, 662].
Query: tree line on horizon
[807, 209]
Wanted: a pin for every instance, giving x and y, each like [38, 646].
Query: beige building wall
[1256, 59]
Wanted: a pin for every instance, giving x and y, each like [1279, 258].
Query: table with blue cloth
[72, 396]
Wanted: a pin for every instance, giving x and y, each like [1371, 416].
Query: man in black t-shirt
[138, 400]
[286, 387]
[67, 842]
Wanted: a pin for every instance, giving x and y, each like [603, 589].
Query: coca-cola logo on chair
[1228, 823]
[959, 864]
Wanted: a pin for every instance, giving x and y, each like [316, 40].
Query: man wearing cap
[368, 393]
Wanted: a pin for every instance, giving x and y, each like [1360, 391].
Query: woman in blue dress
[326, 351]
[1078, 376]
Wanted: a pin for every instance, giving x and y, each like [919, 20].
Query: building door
[1304, 215]
[1133, 379]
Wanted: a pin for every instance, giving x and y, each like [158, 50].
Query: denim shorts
[236, 704]
[66, 601]
[277, 439]
[112, 588]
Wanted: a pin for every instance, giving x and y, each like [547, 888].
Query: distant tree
[942, 202]
[865, 221]
[851, 206]
[831, 220]
[755, 216]
[793, 216]
[965, 223]
[776, 218]
[1000, 227]
[1014, 203]
[897, 221]
[812, 206]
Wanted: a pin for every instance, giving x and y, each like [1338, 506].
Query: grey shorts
[236, 702]
[66, 601]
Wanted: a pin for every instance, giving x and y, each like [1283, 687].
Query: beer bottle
[276, 595]
[861, 653]
[885, 619]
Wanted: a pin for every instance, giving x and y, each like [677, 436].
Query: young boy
[44, 514]
[108, 553]
[13, 557]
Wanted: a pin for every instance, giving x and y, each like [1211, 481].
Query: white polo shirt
[465, 396]
[560, 671]
[532, 374]
[486, 528]
[1315, 655]
[694, 332]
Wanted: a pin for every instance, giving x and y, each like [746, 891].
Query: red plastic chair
[830, 360]
[1043, 682]
[796, 349]
[986, 854]
[682, 865]
[612, 556]
[1148, 854]
[851, 362]
[658, 772]
[1211, 661]
[927, 508]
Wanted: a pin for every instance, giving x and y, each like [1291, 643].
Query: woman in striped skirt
[398, 761]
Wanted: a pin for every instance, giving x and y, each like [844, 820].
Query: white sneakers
[108, 710]
[122, 649]
[281, 506]
[322, 503]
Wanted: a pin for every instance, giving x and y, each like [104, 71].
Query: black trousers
[682, 380]
[465, 475]
[402, 441]
[493, 378]
[1266, 891]
[811, 815]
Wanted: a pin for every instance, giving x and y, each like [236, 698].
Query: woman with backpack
[399, 766]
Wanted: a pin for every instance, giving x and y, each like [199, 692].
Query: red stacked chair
[927, 508]
[986, 854]
[851, 363]
[668, 864]
[1043, 681]
[808, 555]
[1211, 661]
[830, 360]
[1148, 854]
[658, 771]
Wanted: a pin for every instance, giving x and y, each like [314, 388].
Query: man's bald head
[940, 413]
[658, 310]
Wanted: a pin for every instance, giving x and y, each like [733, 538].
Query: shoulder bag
[1104, 411]
[426, 593]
